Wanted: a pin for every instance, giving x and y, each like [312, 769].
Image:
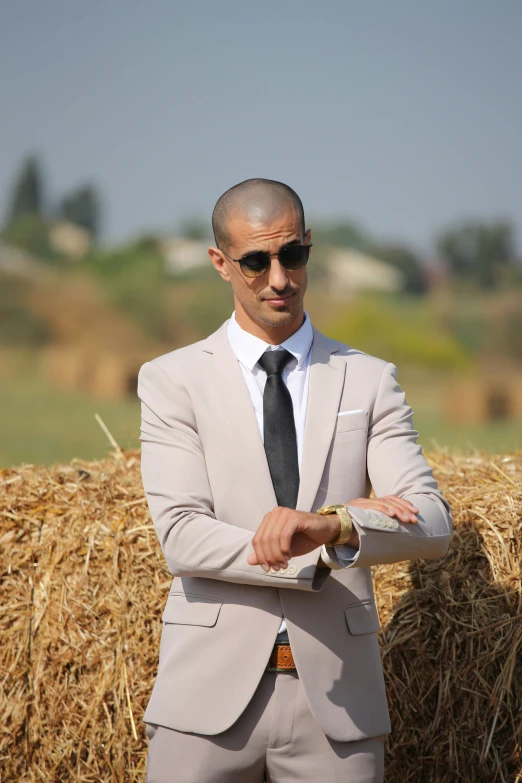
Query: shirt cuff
[343, 556]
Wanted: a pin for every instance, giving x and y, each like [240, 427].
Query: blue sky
[403, 115]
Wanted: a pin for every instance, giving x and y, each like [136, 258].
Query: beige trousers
[276, 739]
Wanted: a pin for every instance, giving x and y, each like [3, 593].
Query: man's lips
[279, 301]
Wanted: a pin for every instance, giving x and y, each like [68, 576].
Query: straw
[84, 584]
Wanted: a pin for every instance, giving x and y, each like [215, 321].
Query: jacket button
[292, 570]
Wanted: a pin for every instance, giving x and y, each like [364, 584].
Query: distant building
[351, 271]
[70, 240]
[182, 255]
[348, 270]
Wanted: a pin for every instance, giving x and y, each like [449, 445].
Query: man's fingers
[270, 540]
[287, 534]
[271, 547]
[257, 543]
[401, 513]
[280, 537]
[401, 508]
[403, 503]
[259, 556]
[392, 505]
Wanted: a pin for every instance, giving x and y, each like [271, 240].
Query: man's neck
[274, 335]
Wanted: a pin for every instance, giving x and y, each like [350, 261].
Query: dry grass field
[83, 585]
[44, 425]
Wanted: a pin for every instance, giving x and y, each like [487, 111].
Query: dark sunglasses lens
[294, 256]
[255, 264]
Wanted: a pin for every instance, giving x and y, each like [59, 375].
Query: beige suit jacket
[208, 487]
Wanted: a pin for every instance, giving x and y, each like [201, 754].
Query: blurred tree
[195, 228]
[146, 243]
[402, 330]
[30, 232]
[134, 281]
[340, 233]
[408, 263]
[82, 207]
[329, 235]
[19, 325]
[479, 252]
[203, 301]
[28, 191]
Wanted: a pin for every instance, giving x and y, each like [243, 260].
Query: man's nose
[278, 278]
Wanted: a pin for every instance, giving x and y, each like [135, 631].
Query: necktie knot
[274, 362]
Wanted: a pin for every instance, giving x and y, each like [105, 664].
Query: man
[269, 661]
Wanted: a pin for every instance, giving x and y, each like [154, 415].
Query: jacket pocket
[191, 609]
[362, 617]
[351, 422]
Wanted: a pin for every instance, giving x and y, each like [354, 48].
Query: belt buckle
[278, 668]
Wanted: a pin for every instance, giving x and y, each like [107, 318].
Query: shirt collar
[248, 349]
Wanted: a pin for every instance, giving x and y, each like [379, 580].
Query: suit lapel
[326, 384]
[239, 418]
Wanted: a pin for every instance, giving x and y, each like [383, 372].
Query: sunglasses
[257, 263]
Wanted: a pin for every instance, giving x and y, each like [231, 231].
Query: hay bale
[83, 586]
[452, 634]
[496, 395]
[114, 375]
[65, 366]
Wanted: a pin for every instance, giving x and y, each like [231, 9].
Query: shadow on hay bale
[83, 585]
[451, 654]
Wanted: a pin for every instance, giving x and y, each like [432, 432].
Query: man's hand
[391, 505]
[286, 533]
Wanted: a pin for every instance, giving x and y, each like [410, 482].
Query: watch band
[346, 527]
[344, 518]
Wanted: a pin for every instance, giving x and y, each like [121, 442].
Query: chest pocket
[351, 422]
[191, 609]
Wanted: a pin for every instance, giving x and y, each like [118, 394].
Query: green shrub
[399, 332]
[19, 326]
[134, 282]
[31, 233]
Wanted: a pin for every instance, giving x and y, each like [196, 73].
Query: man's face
[276, 298]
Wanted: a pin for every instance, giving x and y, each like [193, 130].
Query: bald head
[258, 200]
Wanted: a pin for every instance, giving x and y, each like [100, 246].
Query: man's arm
[179, 497]
[396, 466]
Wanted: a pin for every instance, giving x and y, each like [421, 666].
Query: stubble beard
[282, 316]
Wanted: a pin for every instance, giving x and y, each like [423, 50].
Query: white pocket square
[347, 413]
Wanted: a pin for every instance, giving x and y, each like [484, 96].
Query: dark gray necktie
[279, 429]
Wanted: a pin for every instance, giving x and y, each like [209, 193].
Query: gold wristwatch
[345, 520]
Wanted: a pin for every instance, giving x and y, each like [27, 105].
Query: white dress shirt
[248, 349]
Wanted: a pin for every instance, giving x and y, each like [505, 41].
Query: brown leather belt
[281, 659]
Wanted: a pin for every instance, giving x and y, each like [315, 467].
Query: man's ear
[308, 236]
[219, 263]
